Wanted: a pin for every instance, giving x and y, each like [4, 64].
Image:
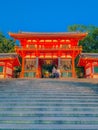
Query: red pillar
[5, 70]
[91, 70]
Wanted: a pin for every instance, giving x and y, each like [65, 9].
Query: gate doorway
[46, 66]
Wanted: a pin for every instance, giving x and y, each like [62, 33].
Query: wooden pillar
[91, 70]
[5, 69]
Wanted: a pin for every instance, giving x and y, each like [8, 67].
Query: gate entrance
[46, 66]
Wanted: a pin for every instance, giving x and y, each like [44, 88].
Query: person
[58, 73]
[54, 72]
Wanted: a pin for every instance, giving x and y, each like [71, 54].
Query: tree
[90, 42]
[6, 45]
[81, 28]
[77, 27]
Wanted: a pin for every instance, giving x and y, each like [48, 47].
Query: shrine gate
[39, 50]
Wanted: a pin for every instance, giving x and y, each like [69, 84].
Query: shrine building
[90, 63]
[41, 51]
[7, 63]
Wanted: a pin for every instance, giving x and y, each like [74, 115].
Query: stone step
[71, 109]
[48, 115]
[48, 104]
[50, 97]
[55, 105]
[56, 100]
[49, 127]
[32, 100]
[49, 120]
[59, 113]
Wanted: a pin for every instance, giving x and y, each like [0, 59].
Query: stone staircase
[48, 104]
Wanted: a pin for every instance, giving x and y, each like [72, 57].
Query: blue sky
[46, 15]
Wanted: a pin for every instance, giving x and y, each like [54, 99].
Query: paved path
[48, 104]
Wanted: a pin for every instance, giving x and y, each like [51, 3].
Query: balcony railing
[49, 48]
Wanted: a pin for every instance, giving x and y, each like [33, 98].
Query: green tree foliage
[81, 28]
[90, 42]
[77, 27]
[6, 45]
